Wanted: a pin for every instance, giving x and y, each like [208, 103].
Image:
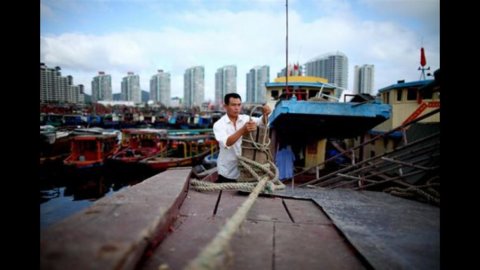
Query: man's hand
[266, 110]
[249, 127]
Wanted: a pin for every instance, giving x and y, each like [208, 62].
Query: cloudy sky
[117, 36]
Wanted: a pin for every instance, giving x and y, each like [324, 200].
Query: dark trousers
[223, 179]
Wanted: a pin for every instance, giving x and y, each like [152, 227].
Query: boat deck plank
[267, 239]
[306, 212]
[312, 246]
[114, 232]
[195, 227]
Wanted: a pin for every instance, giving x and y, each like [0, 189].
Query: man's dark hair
[227, 97]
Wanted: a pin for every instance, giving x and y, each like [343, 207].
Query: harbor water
[65, 192]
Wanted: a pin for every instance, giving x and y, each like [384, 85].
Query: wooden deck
[270, 238]
[114, 232]
[296, 229]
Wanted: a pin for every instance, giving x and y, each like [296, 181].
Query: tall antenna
[286, 48]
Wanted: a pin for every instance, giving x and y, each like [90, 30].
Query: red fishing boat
[183, 151]
[89, 151]
[138, 144]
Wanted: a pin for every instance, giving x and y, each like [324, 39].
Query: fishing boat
[138, 144]
[54, 144]
[210, 160]
[183, 150]
[90, 151]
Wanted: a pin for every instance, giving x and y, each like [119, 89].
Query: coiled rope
[251, 171]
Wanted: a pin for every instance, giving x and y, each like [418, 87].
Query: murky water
[64, 192]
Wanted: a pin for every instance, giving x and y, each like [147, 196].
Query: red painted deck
[114, 232]
[288, 232]
[268, 239]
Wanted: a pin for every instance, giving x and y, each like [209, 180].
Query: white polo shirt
[227, 162]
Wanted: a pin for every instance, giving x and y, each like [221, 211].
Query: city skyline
[144, 36]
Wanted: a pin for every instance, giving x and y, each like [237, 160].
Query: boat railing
[402, 128]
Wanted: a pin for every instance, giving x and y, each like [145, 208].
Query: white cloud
[247, 38]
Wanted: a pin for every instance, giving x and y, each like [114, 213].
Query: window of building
[386, 97]
[412, 94]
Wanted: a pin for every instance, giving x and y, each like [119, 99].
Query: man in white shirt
[229, 130]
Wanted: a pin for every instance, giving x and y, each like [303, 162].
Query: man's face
[233, 107]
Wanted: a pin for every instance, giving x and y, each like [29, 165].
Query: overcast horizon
[84, 37]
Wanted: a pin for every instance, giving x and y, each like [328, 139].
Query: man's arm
[247, 128]
[227, 141]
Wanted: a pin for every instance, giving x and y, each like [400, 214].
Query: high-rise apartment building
[131, 88]
[193, 86]
[160, 87]
[56, 88]
[79, 93]
[101, 87]
[225, 82]
[256, 79]
[333, 67]
[363, 80]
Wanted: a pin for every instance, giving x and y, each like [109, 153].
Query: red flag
[423, 60]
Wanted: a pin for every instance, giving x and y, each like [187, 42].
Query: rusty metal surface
[114, 232]
[390, 232]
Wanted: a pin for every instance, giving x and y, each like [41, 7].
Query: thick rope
[254, 168]
[214, 256]
[274, 183]
[208, 186]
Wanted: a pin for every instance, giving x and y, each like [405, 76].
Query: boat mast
[286, 48]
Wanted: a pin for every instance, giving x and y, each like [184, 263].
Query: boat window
[275, 94]
[412, 94]
[387, 97]
[87, 146]
[148, 143]
[312, 93]
[399, 94]
[427, 94]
